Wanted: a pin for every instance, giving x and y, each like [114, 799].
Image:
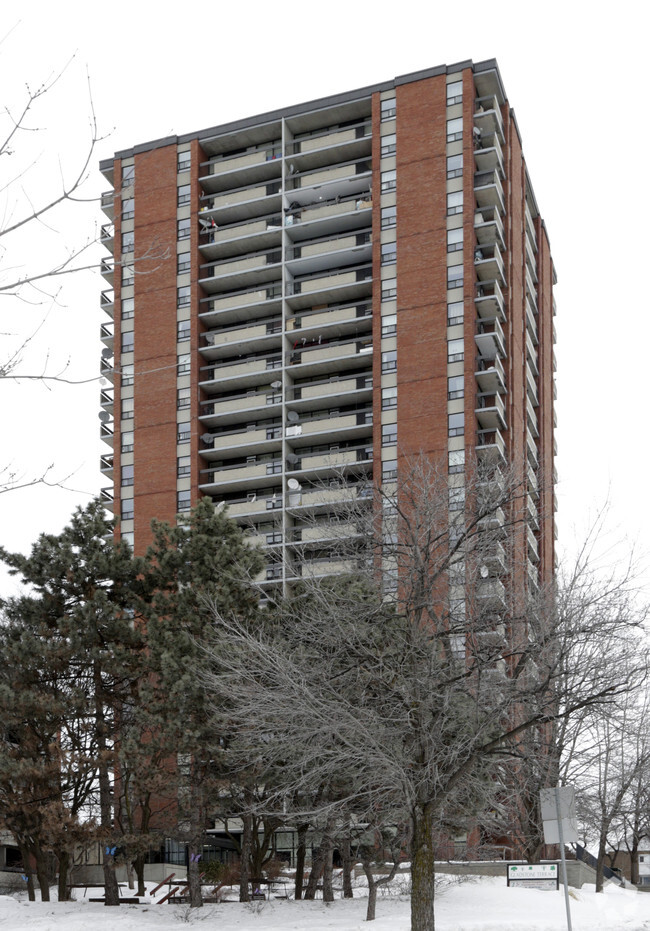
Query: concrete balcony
[244, 340]
[315, 396]
[336, 285]
[490, 412]
[490, 376]
[237, 477]
[222, 174]
[330, 147]
[251, 442]
[491, 594]
[327, 217]
[531, 386]
[255, 236]
[495, 559]
[243, 408]
[346, 318]
[488, 227]
[489, 264]
[531, 418]
[238, 306]
[108, 204]
[107, 236]
[234, 375]
[106, 465]
[107, 269]
[488, 154]
[490, 340]
[531, 512]
[106, 334]
[488, 190]
[344, 427]
[531, 321]
[320, 358]
[531, 354]
[244, 272]
[494, 520]
[107, 302]
[490, 446]
[487, 116]
[489, 301]
[532, 545]
[531, 450]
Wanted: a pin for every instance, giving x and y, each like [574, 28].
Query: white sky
[575, 74]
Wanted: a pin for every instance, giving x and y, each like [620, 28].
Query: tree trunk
[372, 892]
[138, 864]
[422, 870]
[245, 872]
[346, 862]
[24, 853]
[328, 866]
[194, 877]
[301, 852]
[43, 875]
[111, 889]
[600, 863]
[64, 868]
[315, 875]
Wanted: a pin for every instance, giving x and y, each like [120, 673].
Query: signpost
[559, 817]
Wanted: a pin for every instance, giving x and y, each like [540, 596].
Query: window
[126, 475]
[128, 241]
[128, 175]
[183, 466]
[184, 161]
[389, 325]
[389, 434]
[455, 313]
[388, 398]
[127, 374]
[389, 180]
[456, 499]
[127, 341]
[389, 470]
[455, 387]
[183, 500]
[389, 361]
[127, 441]
[127, 409]
[275, 537]
[184, 363]
[183, 398]
[388, 217]
[456, 461]
[183, 296]
[388, 109]
[454, 93]
[455, 129]
[388, 289]
[128, 307]
[454, 166]
[128, 208]
[388, 144]
[274, 467]
[184, 263]
[455, 276]
[127, 538]
[456, 424]
[126, 511]
[455, 350]
[183, 228]
[454, 203]
[128, 274]
[388, 253]
[184, 194]
[184, 432]
[183, 330]
[455, 240]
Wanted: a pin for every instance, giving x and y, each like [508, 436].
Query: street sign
[534, 876]
[560, 801]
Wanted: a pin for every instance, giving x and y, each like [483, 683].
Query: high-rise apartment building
[304, 298]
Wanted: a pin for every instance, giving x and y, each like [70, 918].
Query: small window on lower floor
[455, 350]
[183, 466]
[389, 434]
[388, 398]
[456, 461]
[388, 289]
[389, 470]
[455, 387]
[126, 511]
[183, 501]
[456, 424]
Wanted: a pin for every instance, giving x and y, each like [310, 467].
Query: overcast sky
[575, 74]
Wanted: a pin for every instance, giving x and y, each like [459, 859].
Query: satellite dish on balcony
[104, 416]
[293, 417]
[107, 353]
[484, 572]
[276, 384]
[293, 484]
[292, 458]
[207, 437]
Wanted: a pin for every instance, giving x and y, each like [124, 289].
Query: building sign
[534, 875]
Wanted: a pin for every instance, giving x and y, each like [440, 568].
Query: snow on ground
[484, 904]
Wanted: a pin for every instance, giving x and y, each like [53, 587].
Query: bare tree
[407, 699]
